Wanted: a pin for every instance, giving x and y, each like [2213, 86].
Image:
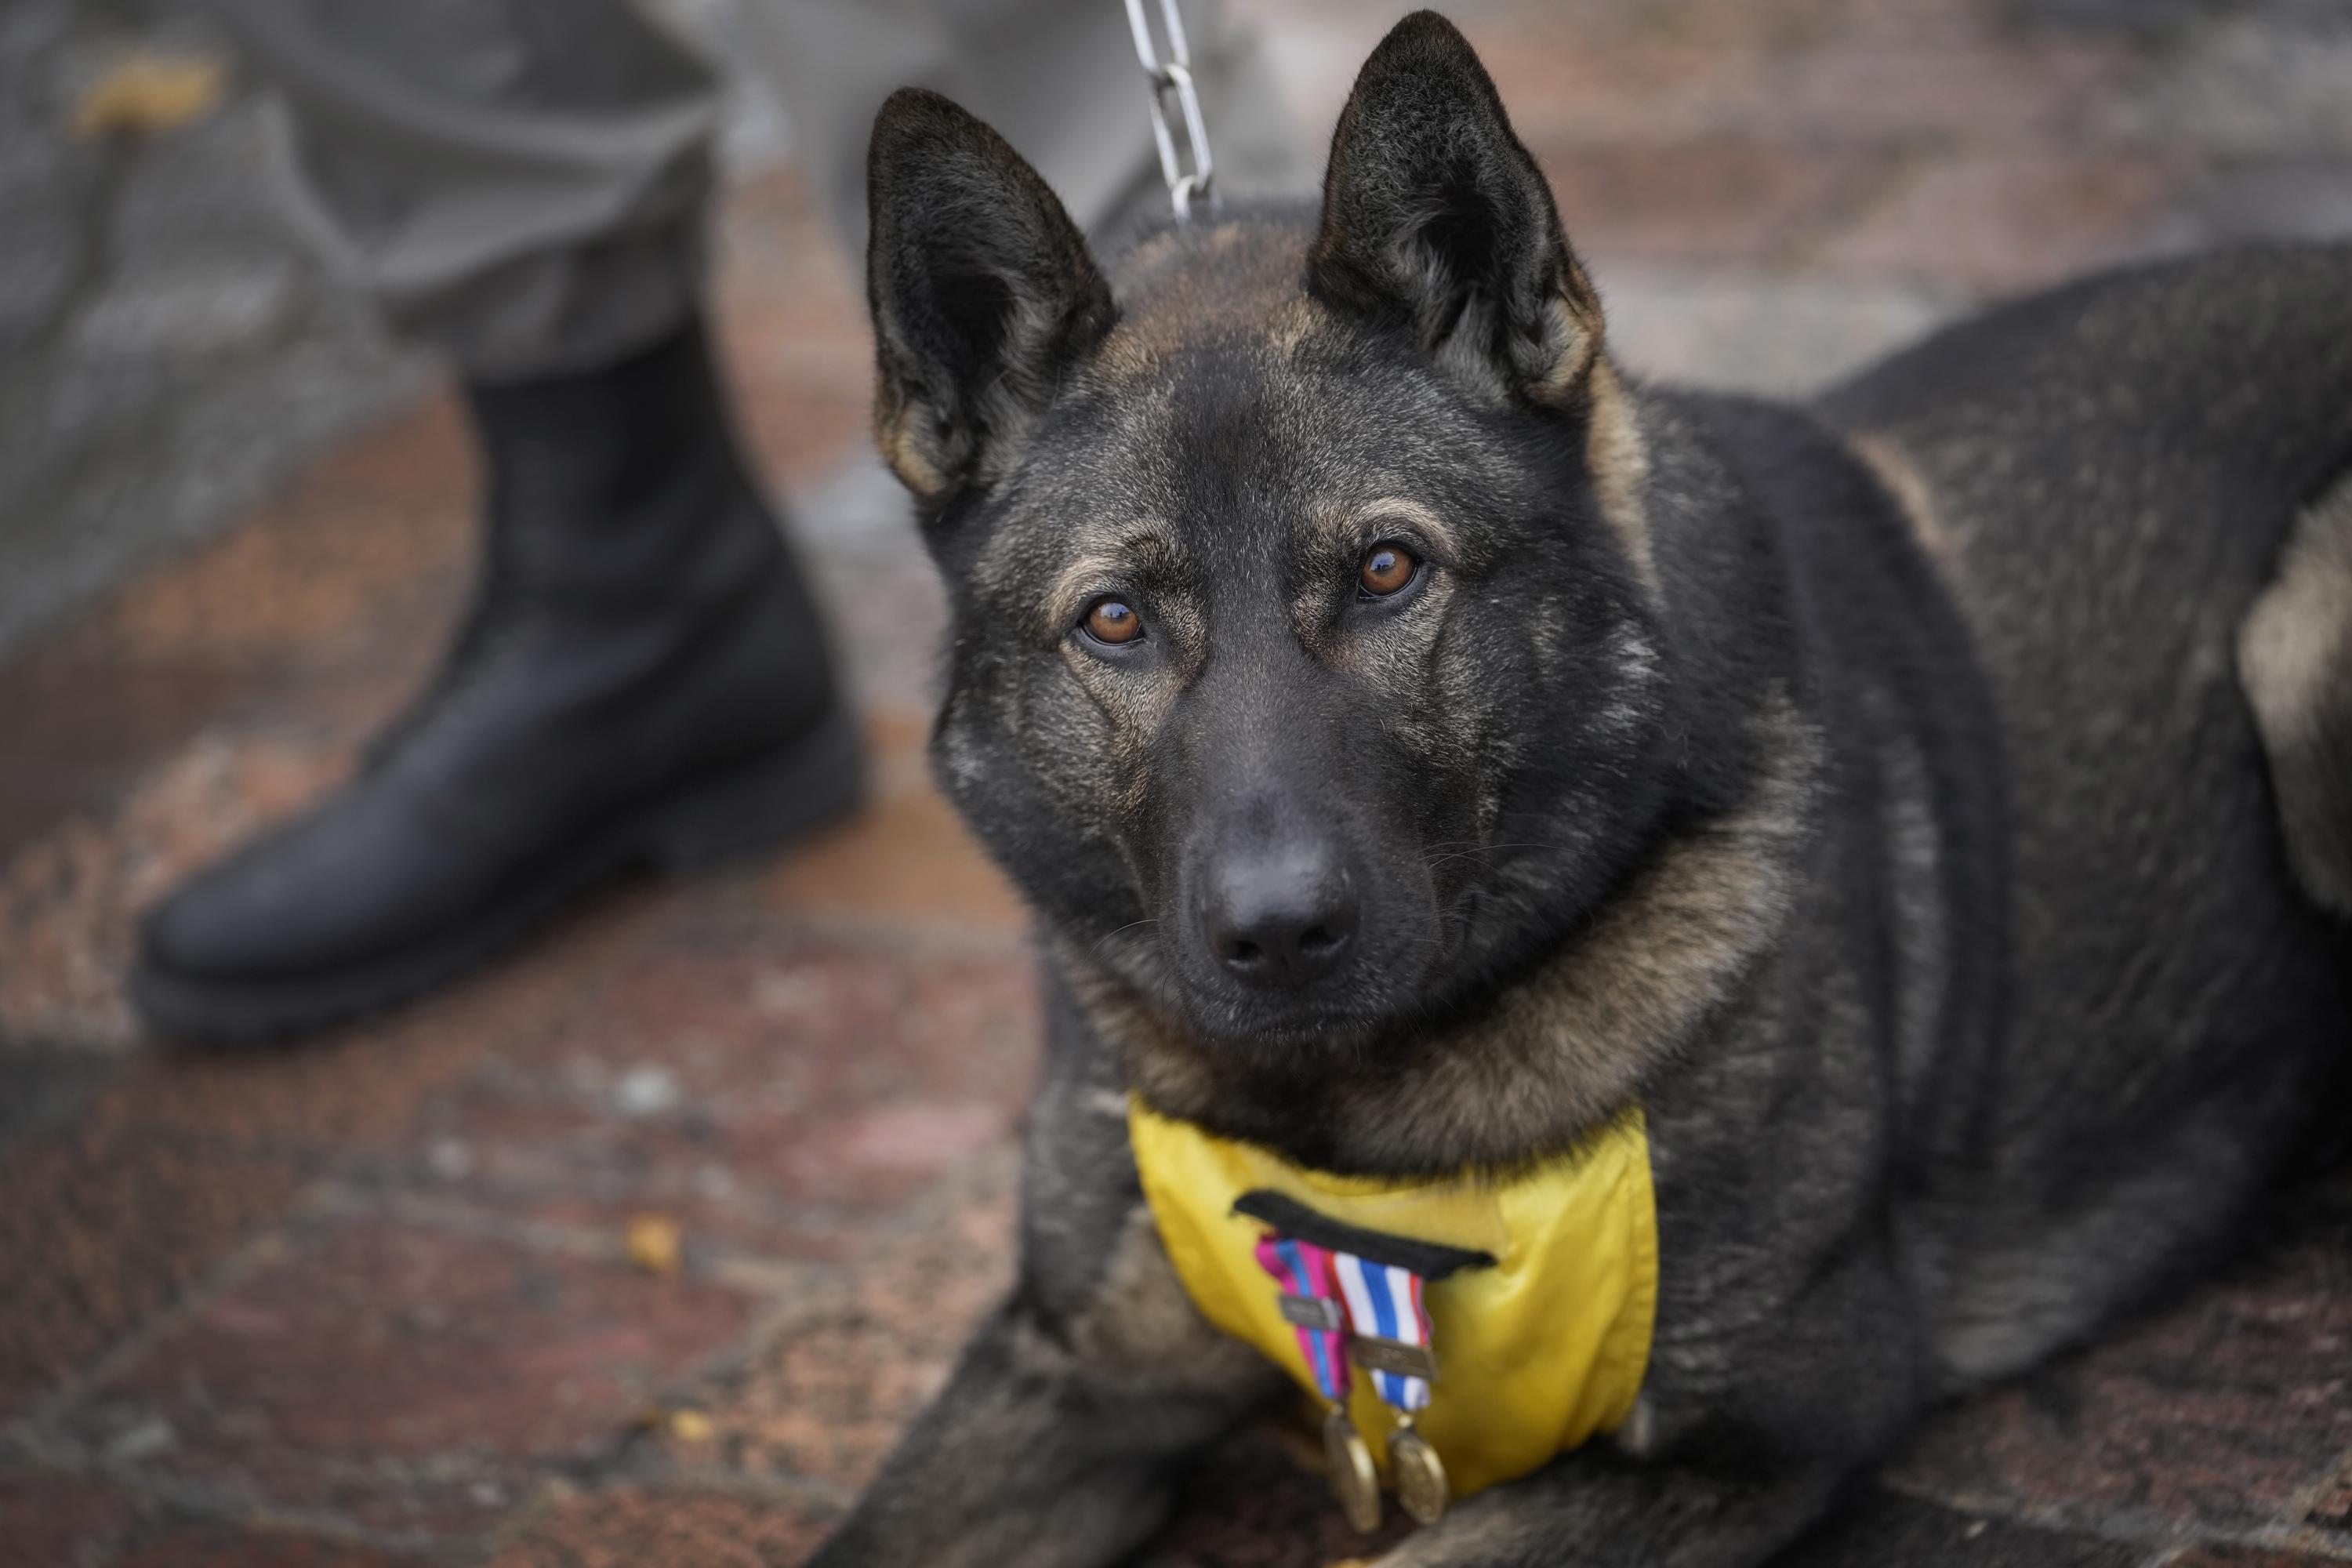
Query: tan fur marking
[1619, 461]
[1567, 1046]
[1124, 357]
[1141, 1317]
[903, 450]
[1078, 582]
[1905, 482]
[1153, 252]
[1578, 328]
[2295, 659]
[1658, 959]
[1399, 659]
[1344, 527]
[1109, 554]
[1293, 325]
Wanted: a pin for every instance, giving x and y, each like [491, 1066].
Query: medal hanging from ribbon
[1311, 1304]
[1394, 1342]
[1326, 1293]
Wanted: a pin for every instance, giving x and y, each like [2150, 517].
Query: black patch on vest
[1289, 1217]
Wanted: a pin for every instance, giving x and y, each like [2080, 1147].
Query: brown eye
[1386, 569]
[1113, 620]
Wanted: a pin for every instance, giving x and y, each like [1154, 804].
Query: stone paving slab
[627, 1527]
[210, 1545]
[103, 1231]
[414, 1380]
[50, 1519]
[370, 1302]
[773, 1091]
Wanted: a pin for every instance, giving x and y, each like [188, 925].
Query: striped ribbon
[1385, 1300]
[1305, 1269]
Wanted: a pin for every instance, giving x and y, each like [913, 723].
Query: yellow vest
[1533, 1354]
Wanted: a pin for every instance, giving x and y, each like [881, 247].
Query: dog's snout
[1281, 919]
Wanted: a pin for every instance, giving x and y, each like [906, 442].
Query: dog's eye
[1386, 569]
[1112, 621]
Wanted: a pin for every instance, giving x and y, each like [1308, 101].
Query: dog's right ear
[982, 289]
[1437, 223]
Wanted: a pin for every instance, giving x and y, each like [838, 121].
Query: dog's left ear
[983, 293]
[1436, 221]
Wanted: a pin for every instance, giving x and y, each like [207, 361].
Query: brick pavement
[370, 1301]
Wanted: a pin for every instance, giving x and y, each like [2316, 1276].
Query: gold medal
[1354, 1481]
[1419, 1476]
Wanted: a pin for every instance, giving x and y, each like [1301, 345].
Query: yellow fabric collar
[1534, 1355]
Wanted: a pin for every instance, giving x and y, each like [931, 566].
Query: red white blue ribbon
[1328, 1294]
[1384, 1302]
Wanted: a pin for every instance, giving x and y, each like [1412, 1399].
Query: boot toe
[350, 880]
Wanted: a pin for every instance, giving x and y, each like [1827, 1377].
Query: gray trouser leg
[521, 184]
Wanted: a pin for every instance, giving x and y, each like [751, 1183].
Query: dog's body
[1931, 807]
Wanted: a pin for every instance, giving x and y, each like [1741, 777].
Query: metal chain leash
[1174, 76]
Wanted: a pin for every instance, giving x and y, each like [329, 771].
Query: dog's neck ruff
[1535, 1351]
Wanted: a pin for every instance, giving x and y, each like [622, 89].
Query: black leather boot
[643, 682]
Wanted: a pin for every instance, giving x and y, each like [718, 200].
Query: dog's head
[1302, 669]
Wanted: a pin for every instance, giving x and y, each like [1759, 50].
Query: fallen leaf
[147, 94]
[654, 1244]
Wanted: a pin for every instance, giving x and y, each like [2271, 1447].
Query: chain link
[1174, 76]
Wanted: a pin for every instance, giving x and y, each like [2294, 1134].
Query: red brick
[82, 722]
[360, 1091]
[423, 456]
[761, 1087]
[1998, 223]
[1987, 94]
[47, 1519]
[100, 1232]
[907, 856]
[799, 354]
[1765, 28]
[827, 1400]
[633, 1528]
[237, 1546]
[1799, 74]
[1717, 201]
[409, 1379]
[1560, 89]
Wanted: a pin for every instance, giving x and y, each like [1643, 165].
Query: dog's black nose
[1284, 918]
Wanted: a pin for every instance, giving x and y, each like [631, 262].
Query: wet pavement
[373, 1301]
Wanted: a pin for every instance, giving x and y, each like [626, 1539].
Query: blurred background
[637, 1249]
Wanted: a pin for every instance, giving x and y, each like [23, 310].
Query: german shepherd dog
[1419, 740]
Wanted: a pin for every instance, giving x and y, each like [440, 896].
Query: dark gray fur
[1870, 789]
